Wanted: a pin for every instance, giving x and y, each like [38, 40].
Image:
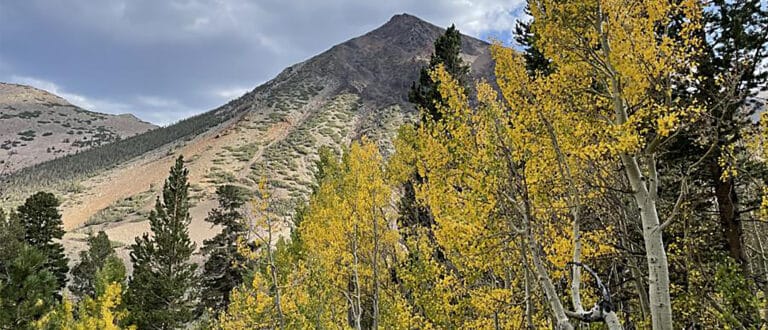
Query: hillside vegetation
[64, 173]
[611, 175]
[273, 131]
[36, 126]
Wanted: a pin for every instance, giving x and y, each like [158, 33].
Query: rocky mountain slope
[37, 126]
[357, 88]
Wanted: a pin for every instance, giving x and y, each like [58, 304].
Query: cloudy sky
[166, 60]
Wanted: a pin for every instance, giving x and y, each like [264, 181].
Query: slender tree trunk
[357, 309]
[576, 270]
[273, 273]
[527, 277]
[375, 324]
[560, 318]
[764, 268]
[574, 205]
[558, 312]
[658, 267]
[645, 193]
[645, 199]
[528, 310]
[642, 291]
[634, 270]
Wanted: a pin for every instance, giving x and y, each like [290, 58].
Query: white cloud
[88, 103]
[231, 93]
[277, 25]
[478, 16]
[169, 116]
[157, 101]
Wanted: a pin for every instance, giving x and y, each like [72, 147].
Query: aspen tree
[619, 56]
[530, 161]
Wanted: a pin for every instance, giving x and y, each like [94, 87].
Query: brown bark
[730, 223]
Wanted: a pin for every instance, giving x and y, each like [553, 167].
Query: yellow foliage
[532, 162]
[758, 143]
[350, 242]
[101, 313]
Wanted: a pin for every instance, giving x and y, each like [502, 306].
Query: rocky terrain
[37, 126]
[354, 89]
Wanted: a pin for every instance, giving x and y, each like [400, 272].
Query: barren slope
[36, 126]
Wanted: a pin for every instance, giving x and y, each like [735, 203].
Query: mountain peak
[405, 18]
[356, 88]
[382, 64]
[407, 26]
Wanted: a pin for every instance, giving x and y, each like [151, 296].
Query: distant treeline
[62, 172]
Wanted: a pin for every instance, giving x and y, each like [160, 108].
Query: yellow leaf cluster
[100, 313]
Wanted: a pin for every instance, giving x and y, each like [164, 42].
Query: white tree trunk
[273, 273]
[357, 307]
[561, 318]
[375, 265]
[612, 321]
[656, 255]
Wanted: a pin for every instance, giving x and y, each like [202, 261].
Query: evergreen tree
[414, 218]
[223, 271]
[720, 196]
[424, 93]
[326, 165]
[27, 288]
[41, 221]
[161, 292]
[11, 239]
[729, 76]
[535, 61]
[91, 261]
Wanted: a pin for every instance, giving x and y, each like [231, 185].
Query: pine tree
[39, 217]
[27, 288]
[326, 165]
[535, 61]
[424, 93]
[223, 270]
[414, 217]
[161, 292]
[11, 238]
[730, 75]
[719, 188]
[91, 262]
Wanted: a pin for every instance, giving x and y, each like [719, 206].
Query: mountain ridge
[37, 126]
[356, 88]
